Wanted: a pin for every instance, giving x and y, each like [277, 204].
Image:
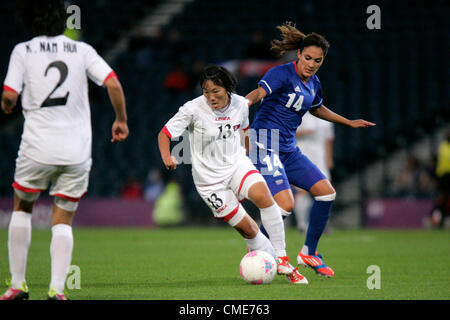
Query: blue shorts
[285, 168]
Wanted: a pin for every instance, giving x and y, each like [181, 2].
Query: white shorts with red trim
[224, 198]
[69, 182]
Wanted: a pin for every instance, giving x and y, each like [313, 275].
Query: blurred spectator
[259, 48]
[194, 76]
[405, 179]
[142, 46]
[132, 189]
[414, 180]
[175, 46]
[168, 210]
[177, 80]
[441, 209]
[154, 186]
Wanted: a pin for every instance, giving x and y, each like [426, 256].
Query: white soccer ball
[258, 267]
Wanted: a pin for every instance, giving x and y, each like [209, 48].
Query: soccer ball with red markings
[258, 267]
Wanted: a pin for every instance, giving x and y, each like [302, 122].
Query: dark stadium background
[396, 77]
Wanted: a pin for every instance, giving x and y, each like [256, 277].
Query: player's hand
[170, 163]
[119, 131]
[6, 110]
[361, 123]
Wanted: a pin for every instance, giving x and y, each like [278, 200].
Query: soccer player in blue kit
[286, 93]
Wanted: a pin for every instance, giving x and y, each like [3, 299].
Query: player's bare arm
[164, 148]
[9, 100]
[324, 113]
[256, 96]
[245, 140]
[303, 133]
[119, 128]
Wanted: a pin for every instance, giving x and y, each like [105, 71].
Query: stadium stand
[396, 78]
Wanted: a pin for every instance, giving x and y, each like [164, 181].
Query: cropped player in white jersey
[50, 72]
[315, 139]
[222, 173]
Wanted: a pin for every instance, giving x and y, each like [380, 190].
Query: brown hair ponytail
[294, 39]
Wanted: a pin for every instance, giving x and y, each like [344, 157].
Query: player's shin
[19, 238]
[61, 255]
[273, 224]
[320, 213]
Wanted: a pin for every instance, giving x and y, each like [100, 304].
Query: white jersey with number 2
[51, 74]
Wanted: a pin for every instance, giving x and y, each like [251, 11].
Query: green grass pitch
[203, 263]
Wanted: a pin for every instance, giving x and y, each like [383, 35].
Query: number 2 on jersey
[63, 71]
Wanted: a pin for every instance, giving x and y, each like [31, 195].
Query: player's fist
[170, 163]
[119, 131]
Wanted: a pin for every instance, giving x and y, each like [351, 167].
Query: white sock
[274, 225]
[305, 250]
[61, 255]
[261, 242]
[19, 238]
[303, 202]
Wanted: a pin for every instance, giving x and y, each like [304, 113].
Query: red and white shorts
[69, 182]
[224, 198]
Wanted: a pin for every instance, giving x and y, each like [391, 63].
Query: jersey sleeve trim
[7, 88]
[112, 74]
[266, 86]
[245, 129]
[317, 104]
[166, 132]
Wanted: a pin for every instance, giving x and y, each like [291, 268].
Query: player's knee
[247, 227]
[24, 201]
[287, 206]
[260, 195]
[326, 197]
[67, 205]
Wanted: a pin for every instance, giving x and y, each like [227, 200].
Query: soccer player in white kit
[315, 139]
[222, 173]
[51, 73]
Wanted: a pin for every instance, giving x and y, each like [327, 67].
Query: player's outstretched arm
[9, 100]
[324, 113]
[256, 96]
[120, 127]
[164, 148]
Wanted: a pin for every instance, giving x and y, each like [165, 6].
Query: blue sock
[320, 212]
[263, 230]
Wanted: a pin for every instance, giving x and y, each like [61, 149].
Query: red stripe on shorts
[17, 186]
[69, 198]
[230, 215]
[245, 177]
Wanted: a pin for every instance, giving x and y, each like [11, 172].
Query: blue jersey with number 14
[288, 99]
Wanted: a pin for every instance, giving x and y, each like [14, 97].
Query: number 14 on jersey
[297, 105]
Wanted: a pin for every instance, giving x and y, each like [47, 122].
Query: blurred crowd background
[396, 76]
